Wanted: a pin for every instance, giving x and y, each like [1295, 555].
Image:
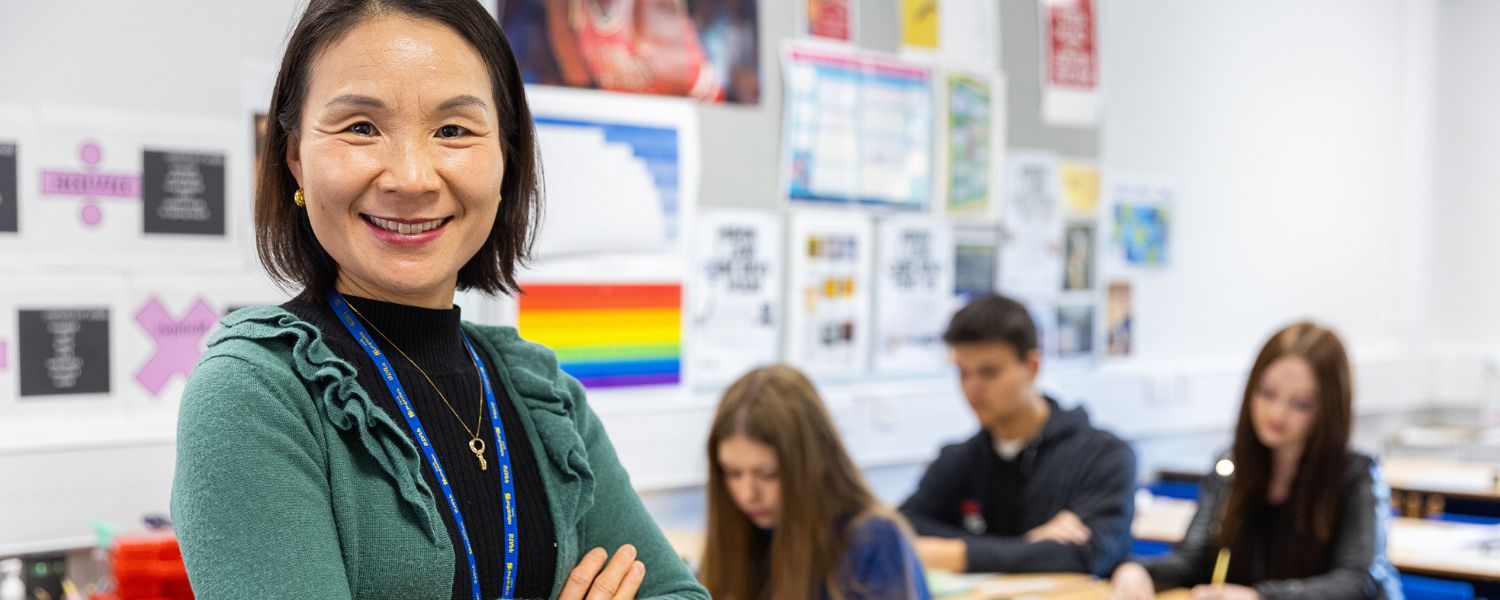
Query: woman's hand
[1224, 592]
[618, 581]
[1131, 582]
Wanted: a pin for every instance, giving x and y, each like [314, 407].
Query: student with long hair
[1301, 515]
[789, 515]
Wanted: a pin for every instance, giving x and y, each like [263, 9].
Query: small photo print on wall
[64, 351]
[1078, 265]
[9, 190]
[1075, 331]
[183, 193]
[1119, 319]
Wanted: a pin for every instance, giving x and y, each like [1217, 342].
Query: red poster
[1073, 60]
[830, 19]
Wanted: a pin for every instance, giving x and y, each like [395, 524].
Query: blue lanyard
[507, 485]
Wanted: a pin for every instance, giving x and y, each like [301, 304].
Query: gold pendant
[476, 446]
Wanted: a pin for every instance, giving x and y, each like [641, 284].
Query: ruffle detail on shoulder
[343, 401]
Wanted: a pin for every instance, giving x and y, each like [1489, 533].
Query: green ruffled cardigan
[292, 483]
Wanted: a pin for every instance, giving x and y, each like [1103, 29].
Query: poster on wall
[1070, 63]
[608, 335]
[63, 351]
[168, 321]
[735, 295]
[1031, 255]
[919, 24]
[183, 193]
[969, 31]
[10, 192]
[828, 302]
[858, 129]
[17, 147]
[970, 144]
[976, 263]
[832, 20]
[1140, 209]
[1119, 320]
[1075, 331]
[705, 49]
[913, 294]
[125, 189]
[1080, 188]
[1078, 264]
[631, 162]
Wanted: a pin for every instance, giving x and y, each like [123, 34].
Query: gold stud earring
[298, 198]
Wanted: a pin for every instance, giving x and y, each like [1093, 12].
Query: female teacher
[361, 441]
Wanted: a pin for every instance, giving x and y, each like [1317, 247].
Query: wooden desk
[1027, 585]
[1421, 546]
[1443, 549]
[1047, 586]
[1163, 519]
[1419, 487]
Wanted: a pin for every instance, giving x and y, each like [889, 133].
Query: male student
[1037, 488]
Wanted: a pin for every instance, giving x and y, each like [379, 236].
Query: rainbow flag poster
[608, 335]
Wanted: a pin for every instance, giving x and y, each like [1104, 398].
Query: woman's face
[1284, 404]
[398, 154]
[752, 476]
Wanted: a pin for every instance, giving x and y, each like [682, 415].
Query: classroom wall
[1308, 139]
[1467, 195]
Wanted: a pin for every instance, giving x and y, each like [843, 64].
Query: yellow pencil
[1221, 567]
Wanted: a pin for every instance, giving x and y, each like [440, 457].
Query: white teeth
[404, 228]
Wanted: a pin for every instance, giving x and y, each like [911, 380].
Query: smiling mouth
[405, 228]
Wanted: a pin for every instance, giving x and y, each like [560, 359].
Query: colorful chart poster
[858, 129]
[913, 294]
[1070, 63]
[828, 305]
[1080, 187]
[976, 263]
[631, 162]
[1031, 256]
[64, 351]
[735, 295]
[833, 20]
[1078, 266]
[1119, 322]
[970, 124]
[704, 49]
[1141, 210]
[608, 335]
[919, 24]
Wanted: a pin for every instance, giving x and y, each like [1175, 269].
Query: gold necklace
[476, 442]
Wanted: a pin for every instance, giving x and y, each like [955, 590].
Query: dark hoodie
[970, 492]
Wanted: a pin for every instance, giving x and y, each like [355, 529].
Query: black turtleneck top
[433, 339]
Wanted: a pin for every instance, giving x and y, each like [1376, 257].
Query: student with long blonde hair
[789, 515]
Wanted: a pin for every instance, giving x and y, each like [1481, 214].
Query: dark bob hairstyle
[283, 237]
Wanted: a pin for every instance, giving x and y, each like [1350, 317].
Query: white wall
[1467, 197]
[1282, 121]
